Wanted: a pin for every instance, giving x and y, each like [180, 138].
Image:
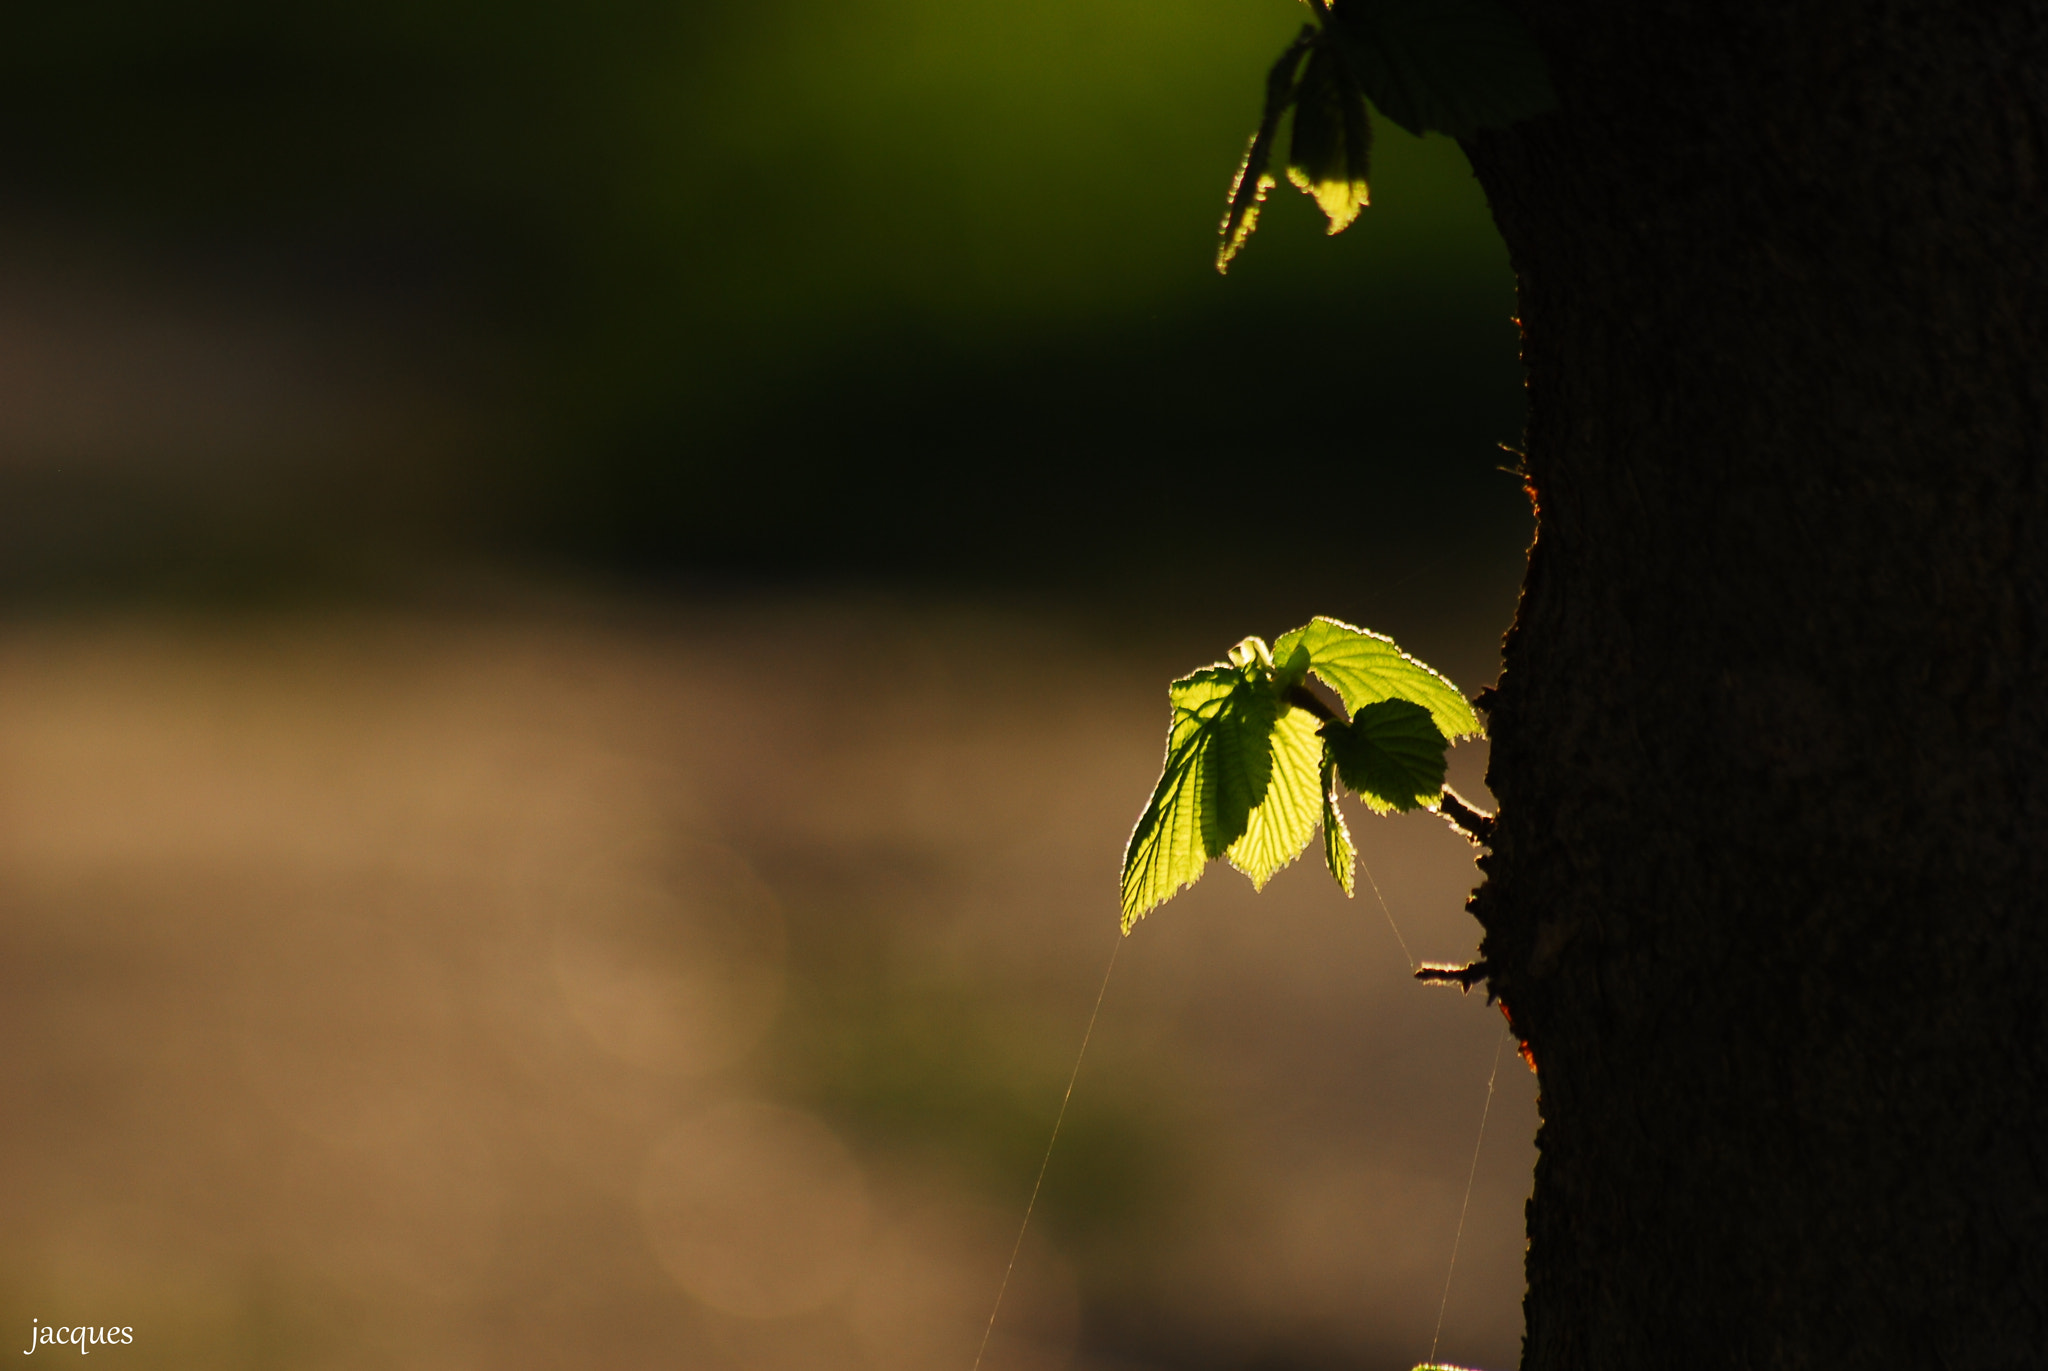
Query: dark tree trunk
[1770, 884]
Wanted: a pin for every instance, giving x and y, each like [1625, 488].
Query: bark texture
[1769, 887]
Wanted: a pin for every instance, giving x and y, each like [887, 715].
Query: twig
[1477, 824]
[1464, 977]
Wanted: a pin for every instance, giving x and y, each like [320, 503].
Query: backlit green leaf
[1283, 822]
[1332, 145]
[1241, 215]
[1454, 66]
[1240, 767]
[1366, 667]
[1253, 763]
[1391, 753]
[1218, 768]
[1338, 854]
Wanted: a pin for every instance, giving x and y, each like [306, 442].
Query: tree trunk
[1766, 899]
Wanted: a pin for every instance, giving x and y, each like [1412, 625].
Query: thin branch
[1477, 824]
[1463, 977]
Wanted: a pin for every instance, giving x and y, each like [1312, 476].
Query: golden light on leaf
[1340, 200]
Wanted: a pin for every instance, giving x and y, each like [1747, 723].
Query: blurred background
[585, 599]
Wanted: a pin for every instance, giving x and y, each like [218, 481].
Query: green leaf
[1332, 147]
[1366, 667]
[1455, 66]
[1219, 766]
[1391, 753]
[1249, 189]
[1249, 773]
[1282, 823]
[1338, 854]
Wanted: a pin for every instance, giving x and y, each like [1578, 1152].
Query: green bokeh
[898, 285]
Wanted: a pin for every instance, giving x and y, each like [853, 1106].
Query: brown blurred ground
[587, 985]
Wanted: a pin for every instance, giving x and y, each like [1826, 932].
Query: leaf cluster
[1254, 759]
[1450, 66]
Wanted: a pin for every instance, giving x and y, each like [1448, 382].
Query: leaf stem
[1301, 697]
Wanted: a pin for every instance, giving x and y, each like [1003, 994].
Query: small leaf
[1391, 753]
[1251, 652]
[1246, 762]
[1247, 193]
[1338, 854]
[1366, 667]
[1454, 66]
[1219, 765]
[1240, 767]
[1281, 825]
[1332, 147]
[1249, 189]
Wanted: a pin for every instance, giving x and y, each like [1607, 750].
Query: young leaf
[1283, 822]
[1240, 771]
[1338, 854]
[1247, 193]
[1391, 753]
[1366, 667]
[1218, 768]
[1332, 147]
[1249, 189]
[1246, 762]
[1455, 66]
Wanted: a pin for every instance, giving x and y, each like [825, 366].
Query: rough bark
[1766, 897]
